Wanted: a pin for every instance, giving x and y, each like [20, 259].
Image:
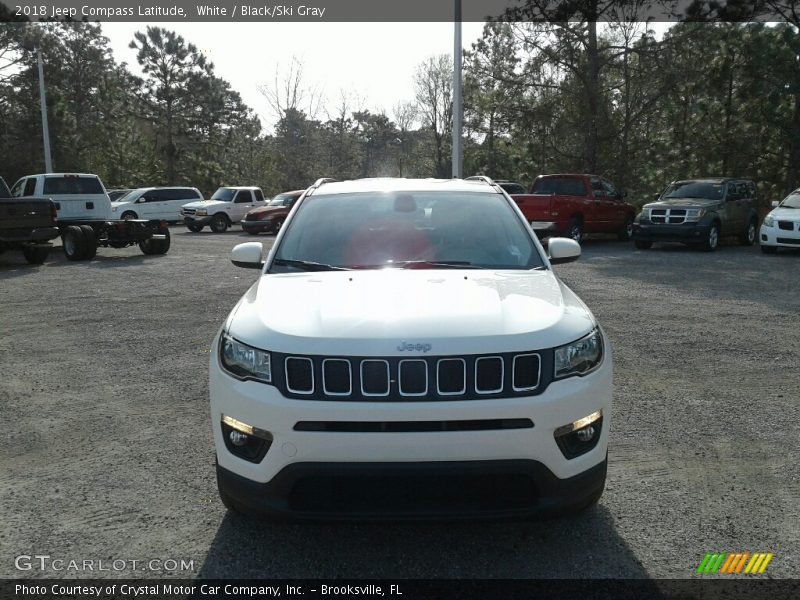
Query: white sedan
[781, 227]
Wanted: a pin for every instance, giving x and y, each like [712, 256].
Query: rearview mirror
[563, 250]
[775, 204]
[248, 255]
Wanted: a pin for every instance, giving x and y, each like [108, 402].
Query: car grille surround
[413, 378]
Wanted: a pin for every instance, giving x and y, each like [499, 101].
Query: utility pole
[48, 161]
[458, 108]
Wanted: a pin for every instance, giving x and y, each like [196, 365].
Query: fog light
[584, 435]
[581, 436]
[238, 438]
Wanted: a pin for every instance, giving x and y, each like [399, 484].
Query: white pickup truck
[228, 205]
[85, 219]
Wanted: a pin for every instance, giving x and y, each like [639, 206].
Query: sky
[375, 62]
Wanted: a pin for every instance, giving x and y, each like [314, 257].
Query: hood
[370, 313]
[785, 214]
[205, 204]
[117, 204]
[263, 210]
[684, 203]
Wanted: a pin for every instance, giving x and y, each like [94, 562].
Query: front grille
[794, 241]
[786, 225]
[410, 379]
[668, 216]
[189, 211]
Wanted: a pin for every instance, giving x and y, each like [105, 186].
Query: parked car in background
[781, 226]
[512, 187]
[155, 203]
[699, 212]
[115, 195]
[85, 219]
[574, 205]
[228, 205]
[432, 362]
[26, 224]
[270, 218]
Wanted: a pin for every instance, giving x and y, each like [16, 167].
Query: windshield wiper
[432, 264]
[307, 265]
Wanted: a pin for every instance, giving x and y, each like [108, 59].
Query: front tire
[748, 236]
[575, 229]
[129, 214]
[712, 238]
[219, 224]
[35, 255]
[151, 246]
[643, 245]
[627, 230]
[276, 227]
[195, 228]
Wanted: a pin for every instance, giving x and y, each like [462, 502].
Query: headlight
[579, 358]
[201, 212]
[244, 361]
[695, 214]
[769, 221]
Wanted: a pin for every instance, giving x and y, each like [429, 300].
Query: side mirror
[656, 196]
[248, 255]
[142, 199]
[775, 204]
[563, 250]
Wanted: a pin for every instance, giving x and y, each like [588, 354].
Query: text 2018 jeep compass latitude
[408, 351]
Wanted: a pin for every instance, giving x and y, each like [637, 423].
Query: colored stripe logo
[734, 563]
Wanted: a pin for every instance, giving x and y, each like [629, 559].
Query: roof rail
[483, 178]
[320, 182]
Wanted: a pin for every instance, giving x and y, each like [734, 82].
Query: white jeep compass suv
[408, 351]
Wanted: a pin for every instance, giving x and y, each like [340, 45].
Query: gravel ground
[108, 451]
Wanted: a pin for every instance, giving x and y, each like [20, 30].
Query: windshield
[407, 230]
[126, 197]
[279, 200]
[695, 189]
[792, 200]
[224, 194]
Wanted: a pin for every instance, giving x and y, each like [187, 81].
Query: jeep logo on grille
[406, 347]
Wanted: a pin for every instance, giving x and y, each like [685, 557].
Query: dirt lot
[107, 452]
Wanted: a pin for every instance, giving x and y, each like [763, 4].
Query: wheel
[195, 228]
[219, 224]
[575, 229]
[74, 243]
[35, 255]
[749, 235]
[712, 239]
[769, 249]
[276, 226]
[91, 242]
[151, 246]
[627, 230]
[642, 245]
[129, 214]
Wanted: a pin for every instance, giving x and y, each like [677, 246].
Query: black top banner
[315, 11]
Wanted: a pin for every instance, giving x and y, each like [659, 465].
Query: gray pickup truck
[27, 224]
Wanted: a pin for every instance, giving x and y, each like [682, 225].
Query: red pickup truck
[573, 205]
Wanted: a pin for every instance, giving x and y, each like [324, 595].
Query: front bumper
[774, 236]
[195, 220]
[688, 233]
[327, 457]
[257, 226]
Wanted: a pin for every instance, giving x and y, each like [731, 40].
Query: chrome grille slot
[375, 377]
[489, 372]
[413, 377]
[668, 216]
[337, 379]
[451, 376]
[299, 375]
[526, 372]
